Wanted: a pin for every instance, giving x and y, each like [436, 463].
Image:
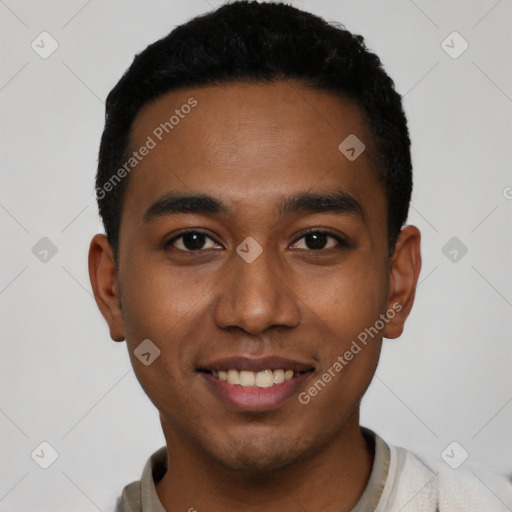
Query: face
[266, 275]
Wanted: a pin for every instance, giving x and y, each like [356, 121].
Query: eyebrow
[337, 202]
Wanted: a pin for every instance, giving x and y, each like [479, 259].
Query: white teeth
[278, 376]
[264, 379]
[233, 377]
[247, 378]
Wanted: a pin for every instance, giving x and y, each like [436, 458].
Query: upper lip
[256, 364]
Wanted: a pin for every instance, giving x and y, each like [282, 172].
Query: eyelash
[341, 242]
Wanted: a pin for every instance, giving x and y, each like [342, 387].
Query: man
[254, 180]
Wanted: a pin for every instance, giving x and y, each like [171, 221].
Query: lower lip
[254, 398]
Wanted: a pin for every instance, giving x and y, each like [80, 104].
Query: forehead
[250, 143]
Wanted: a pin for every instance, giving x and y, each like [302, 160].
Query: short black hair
[245, 41]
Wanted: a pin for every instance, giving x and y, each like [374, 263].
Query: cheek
[347, 299]
[163, 312]
[345, 308]
[156, 298]
[158, 310]
[348, 354]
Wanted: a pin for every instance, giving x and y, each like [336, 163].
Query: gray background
[63, 381]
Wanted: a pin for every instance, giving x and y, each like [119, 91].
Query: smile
[261, 379]
[246, 384]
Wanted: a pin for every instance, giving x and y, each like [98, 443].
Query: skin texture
[250, 145]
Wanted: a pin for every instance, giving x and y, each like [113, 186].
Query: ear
[405, 268]
[102, 273]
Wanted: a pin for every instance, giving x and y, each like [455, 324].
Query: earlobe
[403, 278]
[102, 273]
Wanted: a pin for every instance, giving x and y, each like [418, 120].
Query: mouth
[246, 384]
[250, 379]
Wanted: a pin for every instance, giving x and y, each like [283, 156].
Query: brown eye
[317, 240]
[191, 241]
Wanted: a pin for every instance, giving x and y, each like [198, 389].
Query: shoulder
[141, 495]
[431, 482]
[129, 501]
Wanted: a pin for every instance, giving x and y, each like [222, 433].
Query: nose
[256, 297]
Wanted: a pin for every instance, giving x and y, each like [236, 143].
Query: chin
[260, 457]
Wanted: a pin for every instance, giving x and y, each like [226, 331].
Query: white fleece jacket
[423, 485]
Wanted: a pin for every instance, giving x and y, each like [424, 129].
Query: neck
[333, 479]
